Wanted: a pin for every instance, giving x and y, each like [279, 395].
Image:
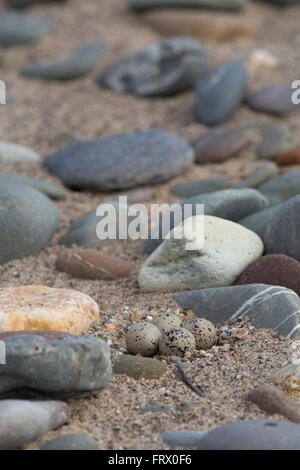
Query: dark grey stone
[161, 69]
[220, 92]
[282, 188]
[253, 434]
[122, 161]
[82, 61]
[50, 189]
[183, 438]
[78, 441]
[213, 4]
[231, 204]
[17, 27]
[260, 176]
[23, 421]
[202, 186]
[274, 99]
[282, 232]
[220, 144]
[72, 364]
[267, 306]
[258, 221]
[28, 221]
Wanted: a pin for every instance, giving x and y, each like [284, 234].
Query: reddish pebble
[292, 157]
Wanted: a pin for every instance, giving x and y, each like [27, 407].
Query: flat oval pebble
[253, 434]
[291, 157]
[260, 176]
[189, 189]
[122, 161]
[18, 27]
[274, 99]
[220, 144]
[216, 260]
[142, 338]
[166, 321]
[46, 308]
[177, 342]
[25, 421]
[82, 61]
[139, 367]
[92, 264]
[14, 153]
[215, 4]
[28, 220]
[278, 270]
[203, 331]
[71, 365]
[50, 189]
[78, 441]
[182, 438]
[220, 92]
[161, 69]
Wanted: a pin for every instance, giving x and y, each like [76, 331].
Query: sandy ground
[40, 115]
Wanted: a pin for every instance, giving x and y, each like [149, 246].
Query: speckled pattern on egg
[143, 339]
[203, 331]
[166, 321]
[177, 342]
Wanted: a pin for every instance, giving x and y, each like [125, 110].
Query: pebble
[47, 334]
[231, 204]
[273, 401]
[140, 195]
[273, 307]
[182, 438]
[291, 157]
[274, 99]
[92, 264]
[28, 3]
[139, 367]
[28, 220]
[275, 138]
[18, 27]
[50, 189]
[282, 188]
[203, 331]
[220, 144]
[142, 338]
[65, 366]
[82, 61]
[46, 308]
[25, 421]
[281, 232]
[166, 321]
[288, 378]
[78, 441]
[177, 342]
[253, 434]
[215, 4]
[277, 270]
[122, 161]
[192, 188]
[201, 25]
[14, 153]
[227, 250]
[220, 92]
[260, 176]
[258, 221]
[164, 68]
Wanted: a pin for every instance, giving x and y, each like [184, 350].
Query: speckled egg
[166, 321]
[177, 342]
[203, 331]
[143, 338]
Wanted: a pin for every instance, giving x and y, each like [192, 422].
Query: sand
[42, 116]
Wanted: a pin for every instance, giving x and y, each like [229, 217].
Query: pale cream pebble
[260, 59]
[166, 321]
[45, 308]
[143, 338]
[288, 378]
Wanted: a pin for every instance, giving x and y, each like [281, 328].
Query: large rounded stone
[258, 221]
[60, 366]
[220, 92]
[161, 69]
[217, 260]
[24, 421]
[28, 221]
[122, 161]
[253, 434]
[17, 27]
[281, 235]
